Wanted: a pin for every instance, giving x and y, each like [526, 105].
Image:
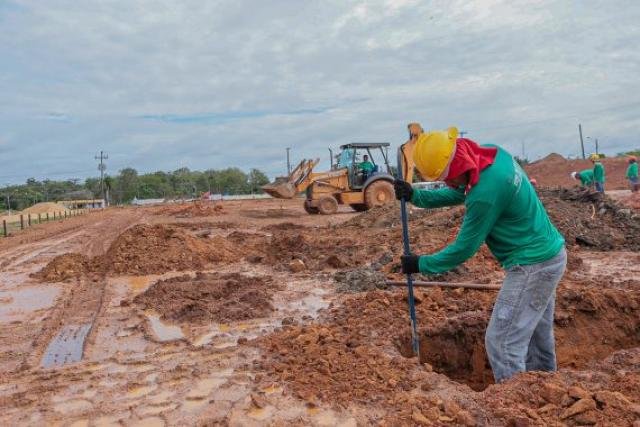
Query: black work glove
[403, 190]
[409, 264]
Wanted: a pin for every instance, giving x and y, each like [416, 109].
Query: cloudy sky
[161, 84]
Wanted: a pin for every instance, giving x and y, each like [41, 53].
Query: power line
[102, 167]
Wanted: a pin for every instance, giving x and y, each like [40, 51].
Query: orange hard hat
[632, 158]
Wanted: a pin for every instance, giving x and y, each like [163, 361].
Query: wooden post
[21, 222]
[39, 219]
[47, 216]
[4, 227]
[65, 214]
[29, 220]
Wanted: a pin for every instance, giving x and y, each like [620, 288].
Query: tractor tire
[311, 210]
[359, 207]
[378, 193]
[328, 205]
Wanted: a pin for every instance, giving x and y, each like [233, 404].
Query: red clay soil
[554, 170]
[64, 267]
[147, 249]
[352, 358]
[587, 219]
[210, 297]
[192, 209]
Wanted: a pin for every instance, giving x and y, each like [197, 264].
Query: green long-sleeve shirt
[632, 170]
[366, 166]
[504, 211]
[598, 172]
[586, 177]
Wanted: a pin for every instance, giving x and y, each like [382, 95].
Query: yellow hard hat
[594, 157]
[433, 153]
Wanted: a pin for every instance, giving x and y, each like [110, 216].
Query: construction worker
[632, 173]
[598, 172]
[366, 167]
[503, 211]
[585, 177]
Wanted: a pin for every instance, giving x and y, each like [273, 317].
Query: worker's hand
[403, 189]
[409, 264]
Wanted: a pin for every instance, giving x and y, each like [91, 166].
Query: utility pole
[462, 133]
[597, 152]
[522, 146]
[581, 140]
[102, 167]
[288, 162]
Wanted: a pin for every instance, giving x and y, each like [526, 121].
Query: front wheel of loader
[378, 193]
[311, 210]
[359, 207]
[328, 205]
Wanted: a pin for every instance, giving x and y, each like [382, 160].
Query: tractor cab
[363, 160]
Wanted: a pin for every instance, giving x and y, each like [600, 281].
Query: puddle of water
[78, 405]
[140, 391]
[149, 422]
[140, 283]
[191, 405]
[67, 346]
[204, 387]
[259, 413]
[18, 302]
[162, 331]
[272, 389]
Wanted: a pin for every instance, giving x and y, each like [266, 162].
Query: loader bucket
[282, 190]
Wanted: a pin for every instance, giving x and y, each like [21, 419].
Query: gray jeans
[520, 333]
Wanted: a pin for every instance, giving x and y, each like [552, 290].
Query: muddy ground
[255, 313]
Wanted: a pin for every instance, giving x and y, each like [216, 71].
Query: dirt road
[185, 315]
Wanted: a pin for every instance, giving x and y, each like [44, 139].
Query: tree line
[128, 184]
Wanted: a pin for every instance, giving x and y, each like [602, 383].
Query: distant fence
[14, 223]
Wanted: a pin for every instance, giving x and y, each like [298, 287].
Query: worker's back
[523, 233]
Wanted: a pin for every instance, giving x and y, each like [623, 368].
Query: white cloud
[506, 71]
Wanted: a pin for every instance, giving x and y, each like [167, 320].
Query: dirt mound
[64, 267]
[381, 216]
[554, 170]
[192, 210]
[359, 280]
[586, 218]
[210, 297]
[44, 207]
[148, 249]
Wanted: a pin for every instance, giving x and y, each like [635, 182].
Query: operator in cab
[503, 211]
[366, 167]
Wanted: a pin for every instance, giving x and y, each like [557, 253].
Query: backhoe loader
[346, 183]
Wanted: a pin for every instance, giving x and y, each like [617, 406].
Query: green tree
[127, 185]
[257, 179]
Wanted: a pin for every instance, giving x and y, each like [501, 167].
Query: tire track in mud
[63, 334]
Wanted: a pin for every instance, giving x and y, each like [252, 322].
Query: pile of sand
[44, 207]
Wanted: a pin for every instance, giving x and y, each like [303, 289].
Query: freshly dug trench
[210, 297]
[590, 324]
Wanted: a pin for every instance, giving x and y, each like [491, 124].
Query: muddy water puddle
[163, 332]
[16, 303]
[67, 346]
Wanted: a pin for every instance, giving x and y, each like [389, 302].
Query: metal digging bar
[407, 251]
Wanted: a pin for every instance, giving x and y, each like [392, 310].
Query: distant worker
[585, 177]
[367, 167]
[534, 182]
[502, 210]
[598, 172]
[632, 173]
